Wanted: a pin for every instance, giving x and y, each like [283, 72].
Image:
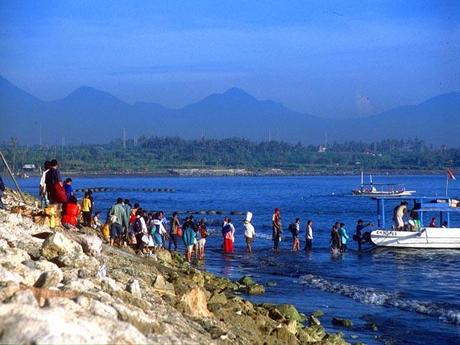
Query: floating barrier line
[108, 189]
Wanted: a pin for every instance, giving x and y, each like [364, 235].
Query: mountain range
[88, 115]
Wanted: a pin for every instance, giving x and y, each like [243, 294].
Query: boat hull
[429, 238]
[382, 193]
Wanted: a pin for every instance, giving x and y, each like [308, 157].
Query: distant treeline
[154, 154]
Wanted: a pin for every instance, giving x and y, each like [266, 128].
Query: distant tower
[269, 135]
[40, 139]
[124, 138]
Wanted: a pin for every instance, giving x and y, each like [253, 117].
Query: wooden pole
[12, 176]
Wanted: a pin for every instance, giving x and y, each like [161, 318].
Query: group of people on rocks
[61, 197]
[148, 232]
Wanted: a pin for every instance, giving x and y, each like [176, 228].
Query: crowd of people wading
[147, 231]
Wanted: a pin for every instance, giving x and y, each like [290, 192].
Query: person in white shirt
[42, 187]
[309, 236]
[249, 232]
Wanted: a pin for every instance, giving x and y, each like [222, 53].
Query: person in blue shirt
[68, 187]
[343, 237]
[188, 237]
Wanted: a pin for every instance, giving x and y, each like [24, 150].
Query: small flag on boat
[450, 175]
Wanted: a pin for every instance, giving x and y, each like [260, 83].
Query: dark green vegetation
[157, 155]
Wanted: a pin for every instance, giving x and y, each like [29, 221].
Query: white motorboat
[415, 235]
[373, 189]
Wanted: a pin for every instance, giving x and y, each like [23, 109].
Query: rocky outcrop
[58, 286]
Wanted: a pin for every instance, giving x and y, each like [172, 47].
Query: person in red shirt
[71, 210]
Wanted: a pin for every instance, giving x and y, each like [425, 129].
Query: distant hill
[88, 115]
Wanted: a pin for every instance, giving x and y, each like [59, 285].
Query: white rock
[25, 297]
[134, 287]
[21, 324]
[109, 284]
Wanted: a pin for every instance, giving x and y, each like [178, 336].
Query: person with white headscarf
[249, 232]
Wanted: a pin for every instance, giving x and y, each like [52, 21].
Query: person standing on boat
[432, 223]
[343, 237]
[399, 213]
[276, 225]
[249, 232]
[309, 236]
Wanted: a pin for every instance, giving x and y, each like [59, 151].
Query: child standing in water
[276, 225]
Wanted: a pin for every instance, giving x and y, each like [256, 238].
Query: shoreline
[248, 173]
[119, 297]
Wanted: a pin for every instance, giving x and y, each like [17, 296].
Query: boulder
[8, 276]
[292, 326]
[108, 284]
[8, 289]
[23, 324]
[164, 256]
[195, 301]
[285, 336]
[163, 286]
[246, 281]
[372, 326]
[290, 312]
[49, 279]
[317, 313]
[311, 334]
[58, 245]
[91, 244]
[338, 321]
[313, 321]
[25, 297]
[218, 298]
[275, 314]
[255, 289]
[134, 288]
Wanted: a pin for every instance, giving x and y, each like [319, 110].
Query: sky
[326, 58]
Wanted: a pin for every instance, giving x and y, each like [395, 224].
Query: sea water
[413, 296]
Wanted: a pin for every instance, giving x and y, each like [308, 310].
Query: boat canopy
[421, 205]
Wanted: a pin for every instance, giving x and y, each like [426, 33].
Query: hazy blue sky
[328, 58]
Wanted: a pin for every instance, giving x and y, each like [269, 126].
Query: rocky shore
[66, 286]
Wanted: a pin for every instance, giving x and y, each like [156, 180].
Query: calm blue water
[412, 295]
